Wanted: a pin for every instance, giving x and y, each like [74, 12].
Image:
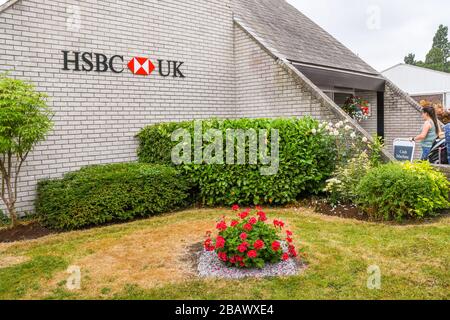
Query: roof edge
[347, 71]
[7, 4]
[394, 66]
[417, 67]
[315, 91]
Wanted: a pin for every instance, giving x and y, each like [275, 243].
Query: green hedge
[101, 194]
[307, 159]
[403, 190]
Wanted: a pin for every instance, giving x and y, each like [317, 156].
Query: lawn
[149, 259]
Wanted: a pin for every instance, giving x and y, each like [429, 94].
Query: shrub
[4, 219]
[348, 144]
[250, 242]
[25, 120]
[342, 187]
[403, 190]
[101, 194]
[307, 157]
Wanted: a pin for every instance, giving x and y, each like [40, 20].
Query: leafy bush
[25, 120]
[101, 194]
[348, 144]
[307, 157]
[250, 242]
[403, 190]
[342, 187]
[4, 219]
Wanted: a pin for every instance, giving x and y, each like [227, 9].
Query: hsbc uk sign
[98, 62]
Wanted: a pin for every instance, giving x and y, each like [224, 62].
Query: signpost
[404, 149]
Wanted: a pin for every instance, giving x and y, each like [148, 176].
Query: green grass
[414, 261]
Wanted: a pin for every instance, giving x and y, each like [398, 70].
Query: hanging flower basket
[357, 108]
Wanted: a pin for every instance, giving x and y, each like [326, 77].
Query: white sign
[404, 149]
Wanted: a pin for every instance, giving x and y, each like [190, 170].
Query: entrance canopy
[328, 77]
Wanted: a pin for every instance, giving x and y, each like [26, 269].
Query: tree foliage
[25, 119]
[438, 57]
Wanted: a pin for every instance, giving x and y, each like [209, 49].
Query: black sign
[98, 62]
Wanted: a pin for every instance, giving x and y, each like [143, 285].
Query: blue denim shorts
[425, 153]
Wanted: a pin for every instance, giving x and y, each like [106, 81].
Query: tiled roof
[295, 36]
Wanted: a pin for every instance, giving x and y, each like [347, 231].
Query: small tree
[410, 59]
[25, 119]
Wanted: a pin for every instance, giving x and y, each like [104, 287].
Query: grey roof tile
[295, 36]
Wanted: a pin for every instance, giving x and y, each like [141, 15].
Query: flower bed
[210, 266]
[249, 241]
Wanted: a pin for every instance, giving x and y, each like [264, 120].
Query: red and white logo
[141, 66]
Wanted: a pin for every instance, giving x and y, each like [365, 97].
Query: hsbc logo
[98, 62]
[141, 66]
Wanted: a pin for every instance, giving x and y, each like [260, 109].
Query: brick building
[208, 58]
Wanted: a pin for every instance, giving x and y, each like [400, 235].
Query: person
[430, 131]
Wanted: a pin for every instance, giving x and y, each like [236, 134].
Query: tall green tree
[435, 60]
[439, 55]
[440, 41]
[25, 120]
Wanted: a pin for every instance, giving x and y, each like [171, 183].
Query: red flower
[285, 256]
[258, 245]
[243, 236]
[252, 254]
[243, 247]
[248, 227]
[262, 216]
[253, 220]
[276, 246]
[223, 256]
[208, 245]
[239, 258]
[278, 223]
[233, 260]
[220, 242]
[289, 240]
[243, 215]
[289, 233]
[259, 208]
[235, 207]
[234, 223]
[222, 226]
[292, 251]
[242, 264]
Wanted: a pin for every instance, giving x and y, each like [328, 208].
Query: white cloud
[404, 26]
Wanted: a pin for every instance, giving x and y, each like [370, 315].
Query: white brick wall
[401, 120]
[97, 115]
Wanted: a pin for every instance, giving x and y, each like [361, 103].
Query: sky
[382, 32]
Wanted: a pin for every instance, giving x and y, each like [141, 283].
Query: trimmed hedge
[403, 190]
[118, 192]
[307, 159]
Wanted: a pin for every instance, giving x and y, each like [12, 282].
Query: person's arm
[423, 135]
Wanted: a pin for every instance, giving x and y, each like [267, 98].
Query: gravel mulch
[209, 266]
